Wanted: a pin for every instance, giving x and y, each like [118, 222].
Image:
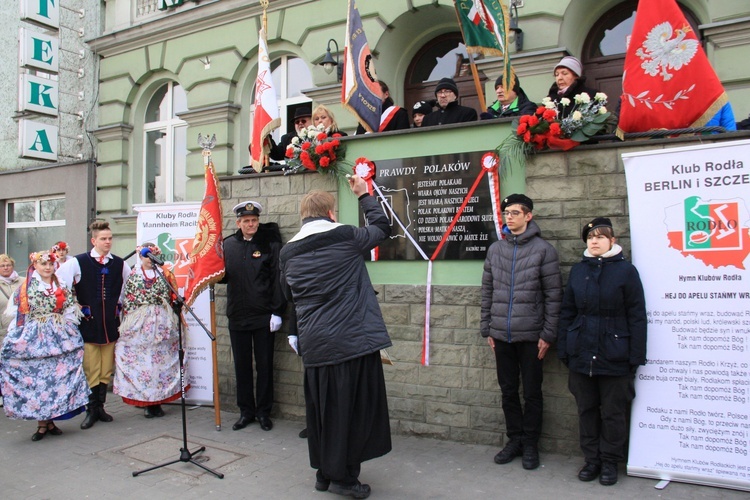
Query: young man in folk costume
[98, 278]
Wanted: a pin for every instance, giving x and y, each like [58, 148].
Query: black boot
[92, 410]
[103, 416]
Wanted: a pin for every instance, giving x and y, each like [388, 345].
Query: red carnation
[540, 110]
[325, 161]
[336, 135]
[549, 114]
[305, 146]
[322, 136]
[526, 136]
[533, 121]
[522, 128]
[524, 119]
[320, 149]
[289, 152]
[335, 143]
[554, 129]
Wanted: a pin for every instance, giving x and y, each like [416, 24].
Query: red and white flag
[667, 81]
[207, 254]
[266, 118]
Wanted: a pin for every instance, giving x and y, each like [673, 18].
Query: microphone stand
[185, 454]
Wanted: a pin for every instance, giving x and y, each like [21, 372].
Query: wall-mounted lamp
[514, 24]
[329, 62]
[206, 62]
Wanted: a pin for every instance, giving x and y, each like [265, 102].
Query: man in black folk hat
[302, 119]
[449, 110]
[255, 304]
[521, 299]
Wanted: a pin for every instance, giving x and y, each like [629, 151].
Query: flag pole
[474, 71]
[215, 360]
[264, 4]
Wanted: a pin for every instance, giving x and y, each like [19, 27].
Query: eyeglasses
[300, 122]
[511, 213]
[443, 92]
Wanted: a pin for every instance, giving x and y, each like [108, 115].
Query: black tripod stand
[185, 454]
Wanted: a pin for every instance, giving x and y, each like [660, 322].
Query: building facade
[47, 154]
[171, 69]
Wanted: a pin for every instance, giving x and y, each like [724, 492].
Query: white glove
[275, 323]
[293, 342]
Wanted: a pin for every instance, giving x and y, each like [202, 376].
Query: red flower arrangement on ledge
[543, 130]
[314, 150]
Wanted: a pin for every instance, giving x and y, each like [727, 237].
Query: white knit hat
[572, 63]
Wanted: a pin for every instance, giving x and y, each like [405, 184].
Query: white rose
[577, 116]
[565, 101]
[550, 105]
[546, 100]
[583, 98]
[602, 110]
[600, 96]
[295, 140]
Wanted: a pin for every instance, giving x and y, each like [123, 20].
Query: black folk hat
[517, 199]
[596, 223]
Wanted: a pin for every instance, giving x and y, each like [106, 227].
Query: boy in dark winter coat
[521, 294]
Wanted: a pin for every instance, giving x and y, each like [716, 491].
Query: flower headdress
[60, 245]
[42, 256]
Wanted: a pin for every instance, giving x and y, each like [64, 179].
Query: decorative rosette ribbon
[365, 169]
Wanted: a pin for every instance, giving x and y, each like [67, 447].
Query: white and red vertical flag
[360, 90]
[266, 115]
[668, 81]
[207, 254]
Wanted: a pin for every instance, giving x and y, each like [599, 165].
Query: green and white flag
[484, 24]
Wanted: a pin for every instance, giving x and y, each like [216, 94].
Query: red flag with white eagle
[668, 81]
[266, 116]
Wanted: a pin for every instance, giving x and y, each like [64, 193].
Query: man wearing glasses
[449, 110]
[521, 298]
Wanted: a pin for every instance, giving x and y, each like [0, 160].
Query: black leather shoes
[356, 490]
[530, 458]
[608, 476]
[512, 450]
[265, 423]
[242, 423]
[589, 472]
[92, 416]
[303, 433]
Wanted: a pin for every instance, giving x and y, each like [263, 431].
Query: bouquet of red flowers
[544, 129]
[314, 150]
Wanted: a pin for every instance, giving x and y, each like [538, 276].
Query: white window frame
[168, 126]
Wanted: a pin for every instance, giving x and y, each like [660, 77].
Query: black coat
[322, 269]
[252, 278]
[452, 113]
[602, 329]
[578, 87]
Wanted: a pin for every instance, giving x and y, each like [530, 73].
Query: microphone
[145, 252]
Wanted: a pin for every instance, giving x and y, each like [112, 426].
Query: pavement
[99, 463]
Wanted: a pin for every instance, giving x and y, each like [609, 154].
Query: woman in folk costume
[147, 361]
[61, 250]
[41, 361]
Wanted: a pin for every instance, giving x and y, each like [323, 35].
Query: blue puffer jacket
[602, 328]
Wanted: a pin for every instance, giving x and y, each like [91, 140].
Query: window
[603, 55]
[33, 225]
[165, 152]
[290, 76]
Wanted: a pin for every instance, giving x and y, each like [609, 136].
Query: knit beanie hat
[516, 86]
[572, 63]
[448, 84]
